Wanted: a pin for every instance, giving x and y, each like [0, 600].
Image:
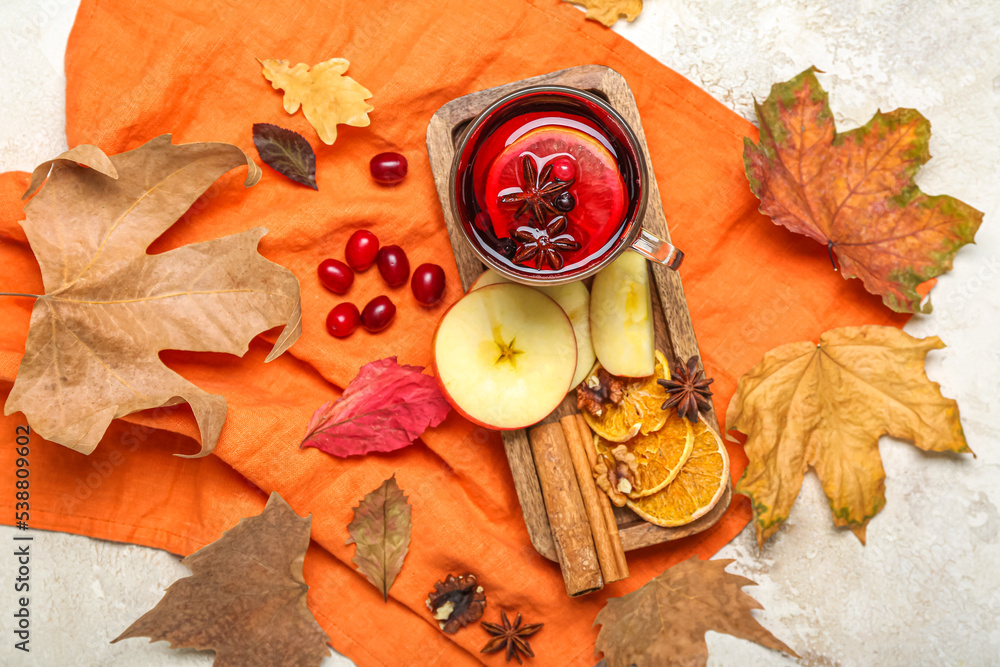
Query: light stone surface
[926, 589]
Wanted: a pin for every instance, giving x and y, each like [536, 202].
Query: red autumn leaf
[854, 191]
[385, 408]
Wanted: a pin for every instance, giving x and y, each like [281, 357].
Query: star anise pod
[539, 193]
[547, 245]
[598, 390]
[688, 391]
[456, 602]
[510, 637]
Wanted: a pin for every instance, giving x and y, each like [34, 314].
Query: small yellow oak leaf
[608, 11]
[327, 97]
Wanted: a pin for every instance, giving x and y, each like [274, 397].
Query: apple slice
[505, 355]
[488, 277]
[621, 317]
[574, 299]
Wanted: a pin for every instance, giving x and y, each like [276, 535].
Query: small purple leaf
[287, 152]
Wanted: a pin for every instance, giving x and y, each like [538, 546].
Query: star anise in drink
[547, 245]
[539, 193]
[688, 391]
[510, 638]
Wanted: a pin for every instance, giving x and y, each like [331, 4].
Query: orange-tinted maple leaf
[246, 597]
[854, 191]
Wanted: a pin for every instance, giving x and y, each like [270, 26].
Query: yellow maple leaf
[608, 11]
[824, 407]
[327, 97]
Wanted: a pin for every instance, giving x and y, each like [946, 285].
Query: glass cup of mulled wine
[549, 184]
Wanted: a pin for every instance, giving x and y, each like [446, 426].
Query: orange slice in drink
[597, 184]
[639, 412]
[696, 488]
[659, 456]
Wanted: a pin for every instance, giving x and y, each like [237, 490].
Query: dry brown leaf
[825, 406]
[380, 532]
[246, 597]
[92, 352]
[608, 11]
[665, 621]
[326, 96]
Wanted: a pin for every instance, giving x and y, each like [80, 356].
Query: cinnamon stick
[571, 533]
[591, 502]
[605, 502]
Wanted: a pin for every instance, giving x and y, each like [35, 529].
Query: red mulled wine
[549, 186]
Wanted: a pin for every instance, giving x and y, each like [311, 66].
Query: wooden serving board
[674, 332]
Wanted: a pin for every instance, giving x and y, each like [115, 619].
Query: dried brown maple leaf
[327, 97]
[380, 532]
[246, 598]
[824, 406]
[608, 11]
[665, 621]
[854, 191]
[92, 352]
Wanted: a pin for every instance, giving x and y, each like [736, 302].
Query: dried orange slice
[696, 489]
[640, 409]
[659, 458]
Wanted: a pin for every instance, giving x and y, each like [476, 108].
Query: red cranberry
[361, 250]
[393, 265]
[335, 275]
[388, 168]
[343, 320]
[564, 169]
[428, 284]
[378, 314]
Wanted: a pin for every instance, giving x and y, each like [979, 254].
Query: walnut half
[456, 602]
[599, 389]
[615, 474]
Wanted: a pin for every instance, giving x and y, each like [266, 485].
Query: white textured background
[926, 589]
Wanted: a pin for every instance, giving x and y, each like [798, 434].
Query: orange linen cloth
[137, 69]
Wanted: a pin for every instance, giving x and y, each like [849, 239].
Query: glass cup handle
[657, 250]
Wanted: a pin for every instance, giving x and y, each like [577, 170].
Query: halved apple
[621, 317]
[574, 299]
[504, 356]
[488, 277]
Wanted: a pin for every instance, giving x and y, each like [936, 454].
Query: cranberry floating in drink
[549, 184]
